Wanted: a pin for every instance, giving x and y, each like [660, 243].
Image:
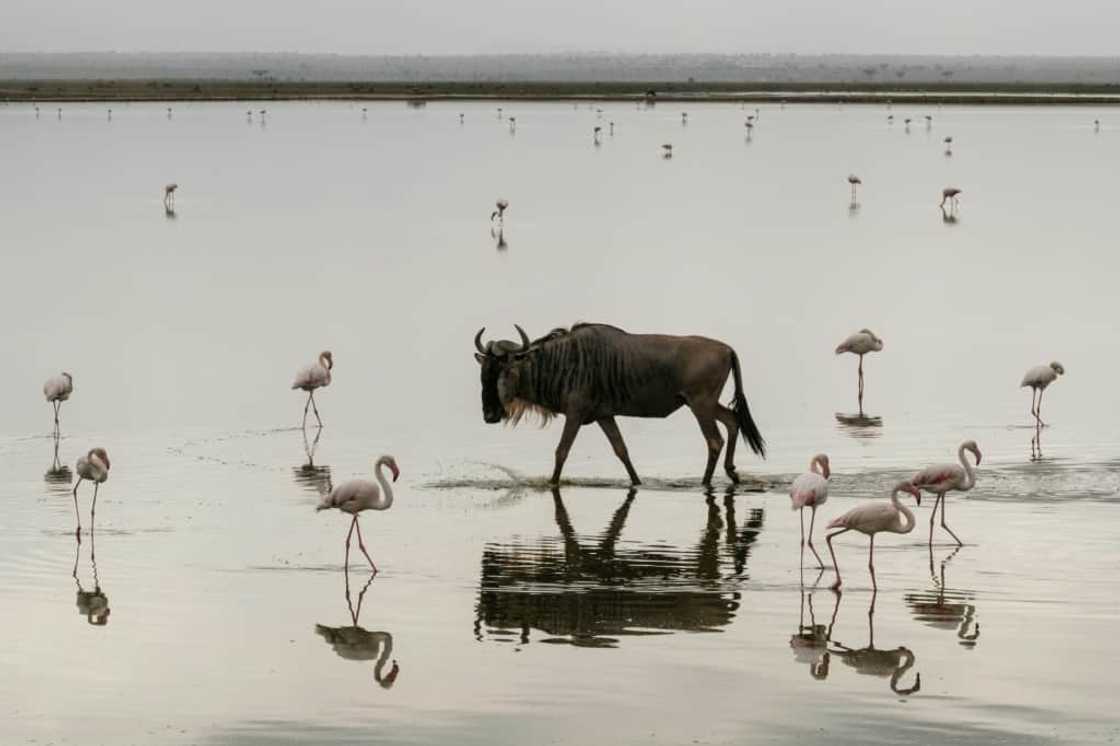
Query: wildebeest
[595, 372]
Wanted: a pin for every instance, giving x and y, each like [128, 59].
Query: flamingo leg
[77, 515]
[871, 564]
[832, 551]
[93, 506]
[305, 406]
[801, 512]
[1038, 409]
[812, 520]
[861, 385]
[311, 398]
[346, 563]
[945, 526]
[1034, 393]
[362, 545]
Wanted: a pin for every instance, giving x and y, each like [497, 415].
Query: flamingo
[811, 489]
[929, 121]
[500, 213]
[907, 123]
[595, 134]
[361, 494]
[460, 119]
[684, 117]
[667, 150]
[57, 389]
[1096, 125]
[1038, 378]
[512, 124]
[169, 195]
[872, 518]
[312, 377]
[94, 466]
[951, 195]
[948, 145]
[942, 478]
[612, 129]
[860, 343]
[855, 181]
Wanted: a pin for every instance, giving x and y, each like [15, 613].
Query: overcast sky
[1068, 27]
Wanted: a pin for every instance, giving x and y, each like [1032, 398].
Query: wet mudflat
[210, 604]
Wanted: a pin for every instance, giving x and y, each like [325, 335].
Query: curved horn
[478, 341]
[524, 338]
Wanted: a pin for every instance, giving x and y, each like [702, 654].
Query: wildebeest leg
[727, 417]
[571, 427]
[610, 428]
[706, 417]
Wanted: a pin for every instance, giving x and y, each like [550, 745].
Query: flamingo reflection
[93, 605]
[355, 643]
[944, 608]
[313, 477]
[59, 473]
[810, 644]
[873, 661]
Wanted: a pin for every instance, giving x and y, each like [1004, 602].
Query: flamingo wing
[1039, 375]
[311, 377]
[936, 478]
[867, 518]
[808, 489]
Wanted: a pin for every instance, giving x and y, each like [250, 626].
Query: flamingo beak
[396, 471]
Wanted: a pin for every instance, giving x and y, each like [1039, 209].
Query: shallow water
[516, 614]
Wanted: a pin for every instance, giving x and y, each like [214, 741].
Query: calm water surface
[210, 605]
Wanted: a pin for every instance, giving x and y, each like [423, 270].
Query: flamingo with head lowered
[94, 466]
[811, 490]
[860, 343]
[361, 494]
[943, 478]
[872, 518]
[313, 377]
[1038, 378]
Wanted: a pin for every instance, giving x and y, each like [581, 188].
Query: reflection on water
[1036, 443]
[859, 426]
[949, 216]
[313, 478]
[589, 590]
[355, 643]
[810, 644]
[93, 605]
[499, 236]
[59, 475]
[944, 608]
[873, 661]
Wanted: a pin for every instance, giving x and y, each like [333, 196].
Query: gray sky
[1071, 27]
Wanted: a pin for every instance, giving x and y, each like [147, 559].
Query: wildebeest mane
[591, 358]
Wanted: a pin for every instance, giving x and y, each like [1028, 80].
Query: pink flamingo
[58, 388]
[855, 182]
[313, 377]
[860, 343]
[361, 494]
[811, 490]
[942, 478]
[872, 518]
[1038, 378]
[94, 466]
[950, 195]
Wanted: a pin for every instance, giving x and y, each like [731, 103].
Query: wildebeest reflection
[355, 643]
[589, 591]
[595, 372]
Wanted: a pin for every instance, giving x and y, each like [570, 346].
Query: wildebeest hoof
[733, 475]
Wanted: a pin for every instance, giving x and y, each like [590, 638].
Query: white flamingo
[952, 196]
[94, 466]
[1038, 378]
[667, 150]
[855, 182]
[500, 212]
[57, 389]
[872, 518]
[361, 494]
[942, 478]
[169, 195]
[860, 343]
[313, 377]
[811, 490]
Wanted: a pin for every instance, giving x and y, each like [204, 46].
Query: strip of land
[136, 90]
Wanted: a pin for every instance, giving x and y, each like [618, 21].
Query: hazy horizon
[438, 27]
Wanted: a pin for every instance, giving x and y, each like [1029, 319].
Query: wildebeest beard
[577, 360]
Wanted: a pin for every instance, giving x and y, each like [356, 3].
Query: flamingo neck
[386, 485]
[386, 651]
[970, 473]
[905, 511]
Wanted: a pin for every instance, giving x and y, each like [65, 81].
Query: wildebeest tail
[743, 412]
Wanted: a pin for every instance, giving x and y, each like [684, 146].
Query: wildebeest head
[498, 360]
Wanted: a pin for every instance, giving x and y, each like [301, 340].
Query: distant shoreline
[136, 90]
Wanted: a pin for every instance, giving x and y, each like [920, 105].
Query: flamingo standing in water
[361, 494]
[942, 478]
[811, 490]
[1038, 378]
[950, 195]
[948, 146]
[872, 518]
[313, 377]
[169, 196]
[57, 389]
[500, 213]
[94, 466]
[855, 182]
[860, 343]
